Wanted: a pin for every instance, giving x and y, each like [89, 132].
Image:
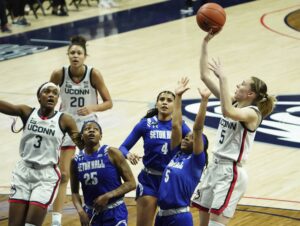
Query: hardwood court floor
[245, 215]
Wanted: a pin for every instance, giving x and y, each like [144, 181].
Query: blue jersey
[157, 136]
[96, 174]
[180, 179]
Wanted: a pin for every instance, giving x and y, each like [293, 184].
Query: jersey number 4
[164, 148]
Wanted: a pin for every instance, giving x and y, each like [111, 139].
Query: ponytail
[263, 101]
[152, 112]
[266, 105]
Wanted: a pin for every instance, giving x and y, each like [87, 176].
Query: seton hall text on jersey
[178, 165]
[41, 129]
[95, 164]
[160, 134]
[77, 91]
[228, 124]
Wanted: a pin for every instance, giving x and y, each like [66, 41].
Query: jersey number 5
[222, 136]
[167, 177]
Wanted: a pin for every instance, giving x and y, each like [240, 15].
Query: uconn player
[35, 178]
[99, 170]
[155, 129]
[226, 180]
[80, 86]
[183, 173]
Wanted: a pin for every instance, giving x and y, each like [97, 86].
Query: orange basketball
[211, 16]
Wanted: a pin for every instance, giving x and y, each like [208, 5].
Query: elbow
[132, 185]
[224, 112]
[175, 126]
[203, 77]
[110, 104]
[227, 112]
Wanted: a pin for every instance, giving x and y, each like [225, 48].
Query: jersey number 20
[77, 102]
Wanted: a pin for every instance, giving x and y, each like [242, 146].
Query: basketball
[211, 16]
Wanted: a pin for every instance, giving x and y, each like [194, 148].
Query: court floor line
[244, 197]
[262, 21]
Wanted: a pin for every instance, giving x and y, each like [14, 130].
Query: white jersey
[41, 139]
[234, 140]
[76, 95]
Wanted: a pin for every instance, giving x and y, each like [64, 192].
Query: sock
[214, 223]
[27, 224]
[56, 217]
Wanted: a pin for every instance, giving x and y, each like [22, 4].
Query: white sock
[214, 223]
[27, 224]
[56, 217]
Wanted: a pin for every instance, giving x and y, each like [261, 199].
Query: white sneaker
[188, 10]
[104, 4]
[55, 223]
[113, 3]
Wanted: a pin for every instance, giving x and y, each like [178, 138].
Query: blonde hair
[263, 100]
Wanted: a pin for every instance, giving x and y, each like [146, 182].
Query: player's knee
[64, 177]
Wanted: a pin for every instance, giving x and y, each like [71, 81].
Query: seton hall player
[36, 177]
[104, 176]
[80, 86]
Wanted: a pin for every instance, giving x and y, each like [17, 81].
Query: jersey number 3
[38, 141]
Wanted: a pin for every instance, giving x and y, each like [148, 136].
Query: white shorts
[34, 185]
[67, 142]
[221, 187]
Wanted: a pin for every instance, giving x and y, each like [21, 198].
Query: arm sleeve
[132, 138]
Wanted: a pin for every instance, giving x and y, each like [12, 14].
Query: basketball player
[226, 180]
[36, 177]
[155, 129]
[183, 173]
[99, 170]
[80, 86]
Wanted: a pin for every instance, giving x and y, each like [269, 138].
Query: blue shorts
[111, 217]
[148, 184]
[179, 219]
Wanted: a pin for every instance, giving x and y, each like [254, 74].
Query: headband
[49, 84]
